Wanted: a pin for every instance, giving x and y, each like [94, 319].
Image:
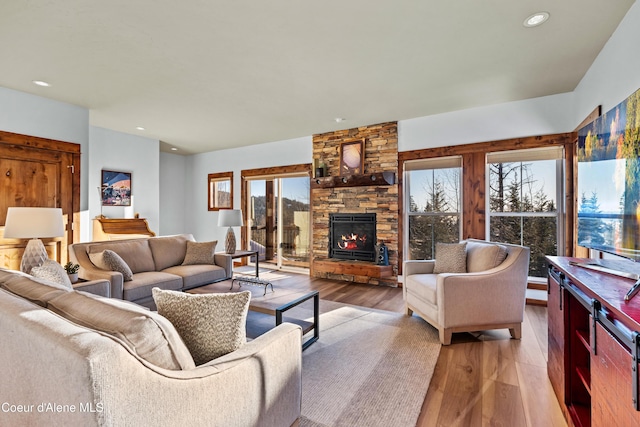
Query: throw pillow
[451, 258]
[109, 260]
[143, 332]
[200, 253]
[52, 271]
[211, 325]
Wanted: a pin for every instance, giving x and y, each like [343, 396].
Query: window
[525, 202]
[220, 191]
[433, 188]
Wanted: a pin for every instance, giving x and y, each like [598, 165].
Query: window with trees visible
[525, 197]
[433, 188]
[220, 191]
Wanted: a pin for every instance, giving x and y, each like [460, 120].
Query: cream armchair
[491, 295]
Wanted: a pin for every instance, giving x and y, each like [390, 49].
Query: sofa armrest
[225, 261]
[97, 287]
[266, 372]
[418, 267]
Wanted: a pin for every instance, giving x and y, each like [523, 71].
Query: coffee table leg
[316, 315]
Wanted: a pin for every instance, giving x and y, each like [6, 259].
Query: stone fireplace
[371, 191]
[352, 236]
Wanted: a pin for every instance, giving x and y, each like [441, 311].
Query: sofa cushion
[484, 256]
[111, 261]
[211, 325]
[142, 283]
[52, 271]
[35, 290]
[451, 258]
[147, 334]
[198, 274]
[135, 253]
[168, 251]
[200, 253]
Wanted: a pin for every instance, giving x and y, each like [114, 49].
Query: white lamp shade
[230, 218]
[33, 223]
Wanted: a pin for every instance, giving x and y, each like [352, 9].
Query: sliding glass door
[279, 220]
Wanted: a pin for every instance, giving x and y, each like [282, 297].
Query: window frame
[212, 180]
[448, 162]
[523, 156]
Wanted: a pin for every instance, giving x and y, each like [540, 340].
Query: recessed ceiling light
[339, 119]
[174, 149]
[41, 83]
[139, 128]
[536, 19]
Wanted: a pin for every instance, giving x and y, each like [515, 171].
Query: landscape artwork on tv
[116, 188]
[609, 181]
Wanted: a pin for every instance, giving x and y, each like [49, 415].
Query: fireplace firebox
[352, 236]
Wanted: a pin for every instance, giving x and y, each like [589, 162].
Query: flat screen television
[609, 181]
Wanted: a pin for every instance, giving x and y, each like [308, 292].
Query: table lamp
[230, 218]
[34, 224]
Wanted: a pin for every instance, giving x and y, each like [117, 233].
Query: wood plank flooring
[481, 379]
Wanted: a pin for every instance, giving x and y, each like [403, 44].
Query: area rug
[369, 368]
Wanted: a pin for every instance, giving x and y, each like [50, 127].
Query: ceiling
[207, 75]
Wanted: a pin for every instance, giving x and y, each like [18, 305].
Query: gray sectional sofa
[62, 363]
[154, 261]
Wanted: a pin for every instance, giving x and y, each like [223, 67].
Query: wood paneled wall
[39, 172]
[474, 178]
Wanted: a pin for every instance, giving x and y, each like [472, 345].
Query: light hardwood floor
[482, 379]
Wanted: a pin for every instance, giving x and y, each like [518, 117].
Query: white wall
[173, 169]
[537, 116]
[37, 116]
[200, 221]
[615, 74]
[123, 152]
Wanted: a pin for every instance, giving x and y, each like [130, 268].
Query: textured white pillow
[211, 325]
[109, 260]
[200, 252]
[451, 258]
[53, 272]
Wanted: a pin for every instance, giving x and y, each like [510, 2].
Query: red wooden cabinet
[556, 321]
[593, 345]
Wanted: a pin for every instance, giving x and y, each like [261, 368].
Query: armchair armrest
[418, 267]
[488, 297]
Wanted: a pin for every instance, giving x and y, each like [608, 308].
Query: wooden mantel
[376, 178]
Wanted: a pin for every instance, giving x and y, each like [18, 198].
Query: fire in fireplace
[352, 236]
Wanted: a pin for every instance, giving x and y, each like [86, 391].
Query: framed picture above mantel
[115, 188]
[352, 158]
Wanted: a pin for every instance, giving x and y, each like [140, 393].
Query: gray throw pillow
[52, 271]
[451, 258]
[111, 261]
[200, 252]
[211, 325]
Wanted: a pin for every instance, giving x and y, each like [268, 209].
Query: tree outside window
[434, 209]
[523, 207]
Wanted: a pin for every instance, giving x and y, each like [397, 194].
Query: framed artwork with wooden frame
[115, 188]
[352, 158]
[220, 191]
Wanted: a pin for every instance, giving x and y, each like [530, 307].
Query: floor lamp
[230, 218]
[34, 224]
